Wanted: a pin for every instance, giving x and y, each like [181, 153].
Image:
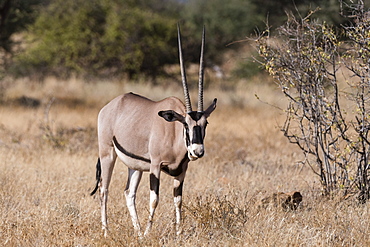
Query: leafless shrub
[356, 58]
[47, 130]
[304, 60]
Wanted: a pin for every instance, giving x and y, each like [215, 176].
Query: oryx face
[195, 124]
[194, 133]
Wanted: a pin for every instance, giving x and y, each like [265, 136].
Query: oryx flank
[152, 137]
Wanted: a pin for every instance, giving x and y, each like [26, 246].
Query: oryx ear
[210, 108]
[171, 116]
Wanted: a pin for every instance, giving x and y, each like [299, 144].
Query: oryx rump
[150, 136]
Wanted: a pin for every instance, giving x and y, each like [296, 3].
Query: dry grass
[46, 177]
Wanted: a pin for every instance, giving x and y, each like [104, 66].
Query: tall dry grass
[47, 174]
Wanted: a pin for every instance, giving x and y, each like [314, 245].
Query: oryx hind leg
[133, 181]
[107, 165]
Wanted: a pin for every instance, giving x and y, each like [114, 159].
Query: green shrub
[97, 38]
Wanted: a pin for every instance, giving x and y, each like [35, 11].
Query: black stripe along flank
[131, 155]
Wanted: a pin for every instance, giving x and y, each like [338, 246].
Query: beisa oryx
[151, 136]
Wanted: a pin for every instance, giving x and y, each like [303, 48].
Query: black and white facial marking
[195, 124]
[194, 133]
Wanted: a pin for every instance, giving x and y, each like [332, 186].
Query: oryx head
[195, 122]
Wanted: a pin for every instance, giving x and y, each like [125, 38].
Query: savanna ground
[48, 156]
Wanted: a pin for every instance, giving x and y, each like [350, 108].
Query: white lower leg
[104, 199]
[153, 205]
[130, 194]
[178, 203]
[130, 201]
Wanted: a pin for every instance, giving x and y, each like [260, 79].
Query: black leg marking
[178, 190]
[154, 183]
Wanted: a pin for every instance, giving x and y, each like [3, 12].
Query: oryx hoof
[148, 228]
[140, 235]
[178, 232]
[105, 231]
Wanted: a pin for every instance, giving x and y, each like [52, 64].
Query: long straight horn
[183, 73]
[201, 73]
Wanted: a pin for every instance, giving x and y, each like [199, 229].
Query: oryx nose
[199, 153]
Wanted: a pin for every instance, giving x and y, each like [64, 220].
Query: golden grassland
[48, 156]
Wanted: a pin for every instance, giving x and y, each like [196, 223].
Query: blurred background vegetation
[135, 38]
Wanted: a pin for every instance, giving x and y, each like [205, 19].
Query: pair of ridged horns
[183, 74]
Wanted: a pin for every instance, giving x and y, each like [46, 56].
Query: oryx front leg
[133, 181]
[107, 165]
[177, 199]
[154, 196]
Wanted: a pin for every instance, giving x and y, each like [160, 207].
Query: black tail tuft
[98, 175]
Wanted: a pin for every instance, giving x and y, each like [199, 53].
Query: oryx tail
[98, 175]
